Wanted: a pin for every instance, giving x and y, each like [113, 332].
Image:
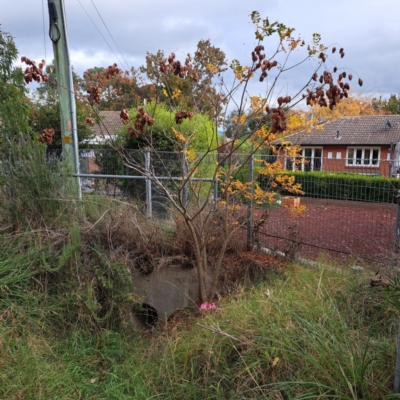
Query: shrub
[347, 186]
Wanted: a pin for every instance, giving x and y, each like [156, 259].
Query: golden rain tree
[213, 221]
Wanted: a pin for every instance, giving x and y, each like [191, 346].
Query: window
[338, 155]
[330, 154]
[310, 159]
[362, 156]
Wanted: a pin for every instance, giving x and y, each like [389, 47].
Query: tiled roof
[366, 130]
[109, 125]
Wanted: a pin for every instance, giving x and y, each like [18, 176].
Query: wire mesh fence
[350, 208]
[350, 211]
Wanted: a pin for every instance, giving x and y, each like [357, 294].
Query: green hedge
[347, 186]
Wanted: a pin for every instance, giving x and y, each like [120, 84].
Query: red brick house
[365, 145]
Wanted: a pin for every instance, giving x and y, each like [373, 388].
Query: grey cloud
[368, 30]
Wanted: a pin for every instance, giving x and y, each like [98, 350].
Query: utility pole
[58, 35]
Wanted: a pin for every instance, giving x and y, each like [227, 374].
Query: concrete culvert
[144, 316]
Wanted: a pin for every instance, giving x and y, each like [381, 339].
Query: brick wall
[334, 159]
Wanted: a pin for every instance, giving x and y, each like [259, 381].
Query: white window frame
[364, 162]
[299, 160]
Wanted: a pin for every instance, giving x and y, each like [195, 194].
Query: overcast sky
[368, 30]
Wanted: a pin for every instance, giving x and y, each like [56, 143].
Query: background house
[110, 124]
[104, 131]
[366, 145]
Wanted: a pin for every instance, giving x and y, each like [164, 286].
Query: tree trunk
[199, 262]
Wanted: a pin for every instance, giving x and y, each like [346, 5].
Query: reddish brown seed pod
[333, 49]
[342, 55]
[350, 77]
[273, 64]
[360, 82]
[124, 116]
[334, 69]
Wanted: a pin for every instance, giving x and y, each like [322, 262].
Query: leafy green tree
[237, 126]
[392, 106]
[165, 134]
[194, 135]
[389, 106]
[13, 102]
[123, 90]
[44, 112]
[199, 95]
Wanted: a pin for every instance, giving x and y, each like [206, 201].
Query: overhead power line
[127, 65]
[99, 32]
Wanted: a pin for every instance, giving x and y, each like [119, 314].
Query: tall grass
[311, 338]
[33, 189]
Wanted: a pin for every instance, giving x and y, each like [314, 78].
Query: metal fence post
[185, 194]
[396, 233]
[149, 208]
[250, 205]
[215, 183]
[215, 193]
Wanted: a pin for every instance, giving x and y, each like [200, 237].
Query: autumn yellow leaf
[179, 135]
[191, 155]
[213, 69]
[176, 93]
[275, 362]
[256, 103]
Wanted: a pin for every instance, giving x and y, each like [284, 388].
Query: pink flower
[207, 306]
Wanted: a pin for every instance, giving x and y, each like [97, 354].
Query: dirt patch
[339, 228]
